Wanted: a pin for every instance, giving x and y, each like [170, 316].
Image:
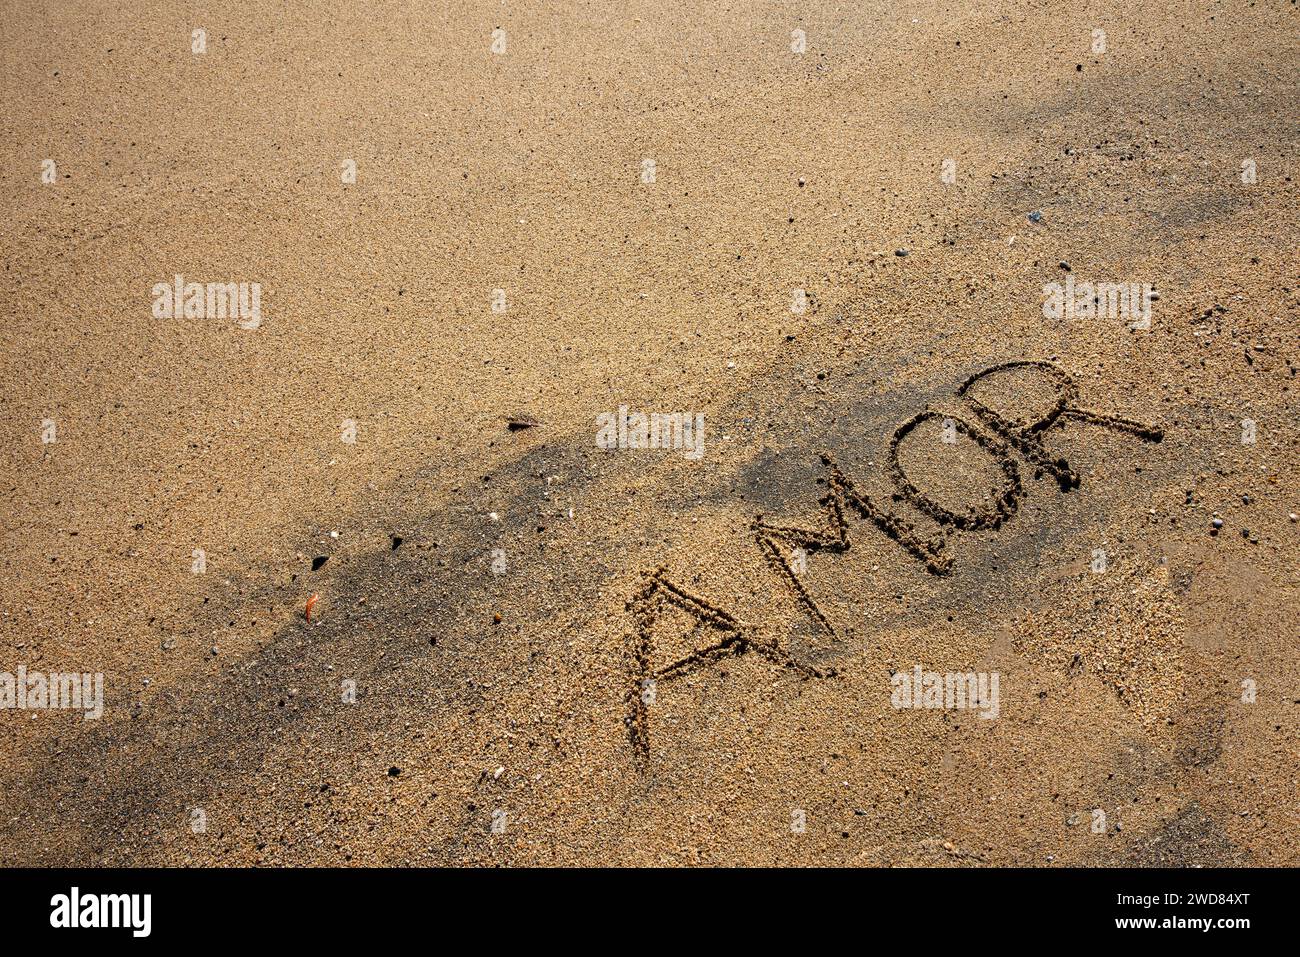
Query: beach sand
[617, 207]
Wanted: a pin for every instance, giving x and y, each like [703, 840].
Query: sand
[472, 687]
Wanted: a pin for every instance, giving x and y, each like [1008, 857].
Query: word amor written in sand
[994, 434]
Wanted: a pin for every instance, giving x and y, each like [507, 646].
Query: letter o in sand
[1007, 500]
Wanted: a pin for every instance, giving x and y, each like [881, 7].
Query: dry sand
[486, 698]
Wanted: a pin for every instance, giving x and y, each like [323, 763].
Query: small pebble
[1217, 523]
[900, 252]
[1035, 216]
